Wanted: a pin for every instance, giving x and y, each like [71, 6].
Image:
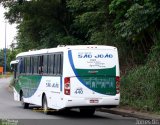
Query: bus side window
[40, 64]
[49, 64]
[28, 65]
[32, 65]
[21, 67]
[55, 65]
[35, 65]
[24, 66]
[45, 64]
[61, 63]
[58, 64]
[15, 71]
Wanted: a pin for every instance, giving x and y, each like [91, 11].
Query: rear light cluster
[117, 84]
[67, 85]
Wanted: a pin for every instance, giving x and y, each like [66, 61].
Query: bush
[140, 87]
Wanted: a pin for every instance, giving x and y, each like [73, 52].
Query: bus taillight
[67, 85]
[117, 84]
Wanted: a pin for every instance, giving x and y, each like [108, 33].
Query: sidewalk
[131, 113]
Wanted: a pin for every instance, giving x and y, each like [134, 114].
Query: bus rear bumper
[110, 101]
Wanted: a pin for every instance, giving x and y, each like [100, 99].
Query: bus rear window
[94, 59]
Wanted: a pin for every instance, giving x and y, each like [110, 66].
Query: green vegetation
[8, 74]
[10, 56]
[141, 85]
[130, 25]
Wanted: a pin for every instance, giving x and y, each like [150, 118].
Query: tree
[1, 58]
[137, 22]
[92, 22]
[41, 23]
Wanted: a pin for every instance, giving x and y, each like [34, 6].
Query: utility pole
[5, 51]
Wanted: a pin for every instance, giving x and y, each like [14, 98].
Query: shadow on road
[66, 113]
[72, 117]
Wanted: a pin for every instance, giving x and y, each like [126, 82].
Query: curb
[129, 113]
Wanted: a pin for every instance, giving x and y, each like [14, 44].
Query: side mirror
[12, 67]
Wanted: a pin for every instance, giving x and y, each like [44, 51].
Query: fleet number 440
[79, 91]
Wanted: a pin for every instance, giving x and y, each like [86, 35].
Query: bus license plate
[94, 101]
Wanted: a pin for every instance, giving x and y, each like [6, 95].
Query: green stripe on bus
[99, 80]
[28, 84]
[97, 72]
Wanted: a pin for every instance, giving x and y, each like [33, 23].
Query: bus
[78, 76]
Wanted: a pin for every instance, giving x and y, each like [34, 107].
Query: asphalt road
[11, 111]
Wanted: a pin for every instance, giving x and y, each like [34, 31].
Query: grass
[140, 87]
[8, 74]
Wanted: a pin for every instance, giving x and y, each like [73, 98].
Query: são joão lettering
[95, 56]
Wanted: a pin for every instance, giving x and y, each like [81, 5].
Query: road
[12, 110]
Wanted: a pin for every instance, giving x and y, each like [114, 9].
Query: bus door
[14, 68]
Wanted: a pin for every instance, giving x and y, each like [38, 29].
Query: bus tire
[45, 105]
[24, 105]
[87, 111]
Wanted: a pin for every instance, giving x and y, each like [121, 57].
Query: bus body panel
[49, 85]
[16, 95]
[108, 101]
[92, 71]
[92, 89]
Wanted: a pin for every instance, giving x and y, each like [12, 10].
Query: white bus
[82, 76]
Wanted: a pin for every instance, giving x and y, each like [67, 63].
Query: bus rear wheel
[24, 105]
[45, 106]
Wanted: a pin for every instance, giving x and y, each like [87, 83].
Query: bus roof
[62, 48]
